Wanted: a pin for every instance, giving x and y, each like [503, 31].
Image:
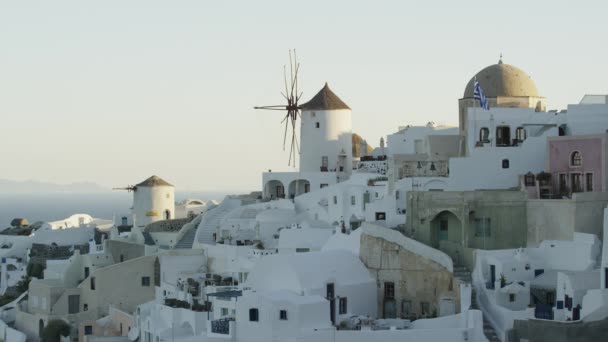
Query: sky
[114, 91]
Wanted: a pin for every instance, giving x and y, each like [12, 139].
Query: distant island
[32, 186]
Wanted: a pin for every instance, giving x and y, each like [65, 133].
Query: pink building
[578, 164]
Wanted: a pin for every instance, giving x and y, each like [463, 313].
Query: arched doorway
[298, 187]
[40, 327]
[446, 234]
[167, 214]
[274, 189]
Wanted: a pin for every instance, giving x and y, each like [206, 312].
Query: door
[390, 310]
[576, 313]
[606, 277]
[443, 230]
[332, 302]
[492, 275]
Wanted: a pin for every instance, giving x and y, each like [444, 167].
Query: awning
[227, 294]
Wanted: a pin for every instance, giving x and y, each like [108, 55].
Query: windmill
[292, 109]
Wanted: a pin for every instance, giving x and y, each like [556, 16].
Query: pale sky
[114, 91]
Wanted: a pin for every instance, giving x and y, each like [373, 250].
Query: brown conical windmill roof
[154, 181]
[325, 100]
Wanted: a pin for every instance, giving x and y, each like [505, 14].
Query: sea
[49, 207]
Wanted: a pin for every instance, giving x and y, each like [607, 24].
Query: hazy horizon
[112, 92]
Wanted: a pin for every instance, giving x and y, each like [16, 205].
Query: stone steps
[187, 240]
[488, 330]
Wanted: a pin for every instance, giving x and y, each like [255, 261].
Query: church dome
[503, 80]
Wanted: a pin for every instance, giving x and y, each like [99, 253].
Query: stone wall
[416, 278]
[506, 211]
[534, 330]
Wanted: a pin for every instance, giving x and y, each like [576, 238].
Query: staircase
[187, 240]
[488, 330]
[464, 275]
[212, 219]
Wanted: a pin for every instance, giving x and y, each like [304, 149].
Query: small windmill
[292, 109]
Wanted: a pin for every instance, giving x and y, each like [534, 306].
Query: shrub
[35, 270]
[54, 329]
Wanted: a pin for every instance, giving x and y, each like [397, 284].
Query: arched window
[576, 159]
[503, 136]
[484, 135]
[520, 134]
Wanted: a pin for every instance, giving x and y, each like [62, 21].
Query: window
[389, 290]
[353, 200]
[342, 307]
[335, 199]
[317, 125]
[283, 315]
[122, 258]
[323, 185]
[92, 283]
[325, 162]
[589, 182]
[576, 181]
[505, 163]
[253, 315]
[520, 134]
[511, 297]
[482, 227]
[330, 291]
[380, 216]
[484, 135]
[313, 114]
[397, 194]
[145, 281]
[85, 307]
[88, 330]
[125, 221]
[86, 272]
[529, 179]
[224, 311]
[425, 308]
[576, 159]
[302, 250]
[503, 136]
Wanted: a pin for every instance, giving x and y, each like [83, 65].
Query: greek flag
[479, 95]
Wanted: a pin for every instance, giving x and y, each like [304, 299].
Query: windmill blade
[279, 107]
[285, 79]
[285, 134]
[291, 73]
[294, 84]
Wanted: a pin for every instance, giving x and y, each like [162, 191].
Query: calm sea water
[56, 206]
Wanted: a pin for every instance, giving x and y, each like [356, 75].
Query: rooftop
[325, 100]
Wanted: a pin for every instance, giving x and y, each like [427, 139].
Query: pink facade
[577, 164]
